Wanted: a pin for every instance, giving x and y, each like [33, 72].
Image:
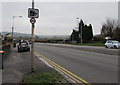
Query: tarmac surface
[92, 66]
[96, 49]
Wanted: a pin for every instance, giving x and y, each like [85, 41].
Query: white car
[112, 44]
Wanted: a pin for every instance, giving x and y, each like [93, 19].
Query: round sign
[32, 20]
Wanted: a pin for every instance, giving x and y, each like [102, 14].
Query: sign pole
[32, 45]
[32, 13]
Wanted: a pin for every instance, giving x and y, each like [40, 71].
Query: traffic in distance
[112, 44]
[24, 45]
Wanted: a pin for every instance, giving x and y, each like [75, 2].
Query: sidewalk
[17, 65]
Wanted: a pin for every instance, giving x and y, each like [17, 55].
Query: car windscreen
[23, 43]
[115, 41]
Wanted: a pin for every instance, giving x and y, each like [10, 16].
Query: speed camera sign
[33, 13]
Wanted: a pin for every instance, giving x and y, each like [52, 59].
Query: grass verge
[90, 44]
[45, 78]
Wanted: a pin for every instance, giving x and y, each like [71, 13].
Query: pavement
[17, 65]
[0, 77]
[91, 66]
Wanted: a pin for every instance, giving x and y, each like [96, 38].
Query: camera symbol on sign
[33, 13]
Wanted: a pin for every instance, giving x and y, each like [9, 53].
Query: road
[96, 49]
[91, 66]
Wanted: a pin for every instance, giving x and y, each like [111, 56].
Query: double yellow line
[63, 70]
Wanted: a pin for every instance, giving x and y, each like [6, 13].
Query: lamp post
[13, 26]
[81, 33]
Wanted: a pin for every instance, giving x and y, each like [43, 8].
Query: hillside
[16, 34]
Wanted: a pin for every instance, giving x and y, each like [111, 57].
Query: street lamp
[80, 33]
[13, 26]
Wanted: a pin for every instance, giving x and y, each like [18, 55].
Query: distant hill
[16, 34]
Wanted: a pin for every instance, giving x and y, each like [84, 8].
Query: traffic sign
[33, 13]
[32, 20]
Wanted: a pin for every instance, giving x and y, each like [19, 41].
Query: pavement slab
[17, 65]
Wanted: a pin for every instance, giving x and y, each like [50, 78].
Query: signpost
[32, 13]
[32, 20]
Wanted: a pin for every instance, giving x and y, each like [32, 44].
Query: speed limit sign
[32, 20]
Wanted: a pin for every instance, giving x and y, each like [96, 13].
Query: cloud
[60, 16]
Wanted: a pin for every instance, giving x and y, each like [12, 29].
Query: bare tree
[109, 27]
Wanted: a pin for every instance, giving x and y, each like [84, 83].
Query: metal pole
[81, 33]
[12, 34]
[2, 61]
[32, 45]
[13, 30]
[54, 35]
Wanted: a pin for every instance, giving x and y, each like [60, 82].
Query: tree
[8, 37]
[75, 36]
[111, 28]
[90, 33]
[87, 33]
[117, 34]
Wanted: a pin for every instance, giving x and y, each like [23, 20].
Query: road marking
[66, 73]
[63, 70]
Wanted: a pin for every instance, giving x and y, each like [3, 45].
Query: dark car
[23, 47]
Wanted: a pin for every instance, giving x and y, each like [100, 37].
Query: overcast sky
[60, 16]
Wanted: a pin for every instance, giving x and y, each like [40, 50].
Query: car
[30, 42]
[112, 44]
[23, 47]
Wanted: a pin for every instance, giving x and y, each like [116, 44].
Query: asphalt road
[96, 49]
[91, 66]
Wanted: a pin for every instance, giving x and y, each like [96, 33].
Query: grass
[91, 44]
[45, 78]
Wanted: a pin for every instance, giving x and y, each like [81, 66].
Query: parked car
[112, 44]
[23, 47]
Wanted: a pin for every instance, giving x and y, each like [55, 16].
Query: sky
[57, 16]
